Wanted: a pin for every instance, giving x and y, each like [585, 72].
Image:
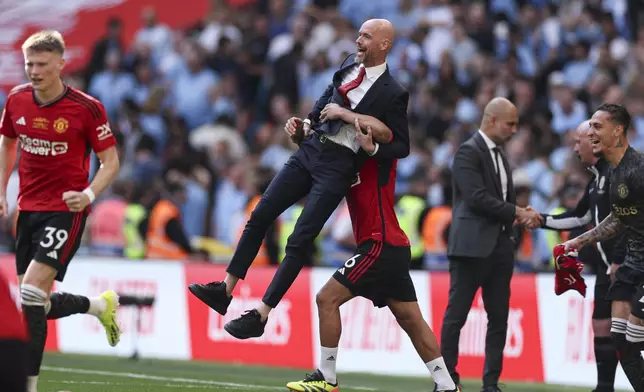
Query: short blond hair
[45, 41]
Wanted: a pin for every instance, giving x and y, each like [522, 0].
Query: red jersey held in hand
[55, 144]
[12, 326]
[371, 204]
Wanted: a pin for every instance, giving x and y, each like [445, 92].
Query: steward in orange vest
[436, 223]
[166, 238]
[268, 251]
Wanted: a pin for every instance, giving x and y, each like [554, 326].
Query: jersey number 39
[52, 234]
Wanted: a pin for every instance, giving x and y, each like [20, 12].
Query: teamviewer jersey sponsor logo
[42, 147]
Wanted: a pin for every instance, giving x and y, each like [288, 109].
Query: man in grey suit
[481, 246]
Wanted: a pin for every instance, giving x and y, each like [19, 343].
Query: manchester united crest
[61, 125]
[622, 191]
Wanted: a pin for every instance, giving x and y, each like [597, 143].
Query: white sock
[441, 376]
[32, 384]
[327, 364]
[97, 305]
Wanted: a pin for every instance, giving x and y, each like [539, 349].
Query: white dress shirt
[504, 175]
[347, 135]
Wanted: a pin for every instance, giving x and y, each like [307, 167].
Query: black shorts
[602, 309]
[48, 237]
[628, 286]
[13, 366]
[378, 272]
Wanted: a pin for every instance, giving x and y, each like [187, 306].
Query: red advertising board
[522, 354]
[82, 23]
[287, 340]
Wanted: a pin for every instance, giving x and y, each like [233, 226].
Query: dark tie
[345, 88]
[497, 152]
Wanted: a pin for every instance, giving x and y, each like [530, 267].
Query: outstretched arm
[572, 219]
[607, 229]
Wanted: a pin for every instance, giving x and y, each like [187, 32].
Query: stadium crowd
[199, 112]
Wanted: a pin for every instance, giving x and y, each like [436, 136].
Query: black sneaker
[212, 294]
[248, 325]
[491, 388]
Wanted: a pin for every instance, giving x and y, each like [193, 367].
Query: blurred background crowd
[199, 113]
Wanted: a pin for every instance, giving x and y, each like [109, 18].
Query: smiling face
[373, 43]
[603, 133]
[583, 149]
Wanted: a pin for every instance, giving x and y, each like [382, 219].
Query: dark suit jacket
[479, 213]
[386, 100]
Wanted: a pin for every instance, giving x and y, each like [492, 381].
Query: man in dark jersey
[593, 208]
[56, 127]
[608, 128]
[379, 271]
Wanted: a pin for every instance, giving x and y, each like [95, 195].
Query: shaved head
[497, 106]
[583, 128]
[583, 149]
[382, 27]
[374, 42]
[500, 120]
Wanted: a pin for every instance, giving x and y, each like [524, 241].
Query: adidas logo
[331, 358]
[438, 368]
[53, 254]
[21, 121]
[341, 270]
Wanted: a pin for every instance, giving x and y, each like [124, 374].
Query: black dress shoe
[212, 294]
[248, 325]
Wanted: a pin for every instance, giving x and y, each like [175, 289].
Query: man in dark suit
[323, 168]
[480, 246]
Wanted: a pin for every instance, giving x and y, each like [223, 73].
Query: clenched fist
[76, 201]
[295, 129]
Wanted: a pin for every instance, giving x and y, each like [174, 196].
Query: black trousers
[492, 274]
[324, 171]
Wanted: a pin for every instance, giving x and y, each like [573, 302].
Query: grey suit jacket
[479, 213]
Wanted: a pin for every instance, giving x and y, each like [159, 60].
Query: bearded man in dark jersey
[608, 128]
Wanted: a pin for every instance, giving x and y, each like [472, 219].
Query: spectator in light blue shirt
[191, 99]
[113, 85]
[567, 111]
[577, 72]
[404, 17]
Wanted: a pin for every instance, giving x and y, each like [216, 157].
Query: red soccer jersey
[371, 205]
[12, 326]
[55, 144]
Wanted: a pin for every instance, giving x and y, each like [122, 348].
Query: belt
[328, 143]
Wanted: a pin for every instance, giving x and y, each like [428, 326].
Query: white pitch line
[159, 378]
[140, 376]
[129, 384]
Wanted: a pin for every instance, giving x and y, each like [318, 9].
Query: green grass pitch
[81, 373]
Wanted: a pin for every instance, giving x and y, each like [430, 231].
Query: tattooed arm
[607, 229]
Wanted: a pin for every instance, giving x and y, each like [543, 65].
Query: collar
[597, 168]
[376, 71]
[488, 142]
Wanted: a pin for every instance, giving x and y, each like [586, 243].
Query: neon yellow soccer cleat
[313, 383]
[108, 317]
